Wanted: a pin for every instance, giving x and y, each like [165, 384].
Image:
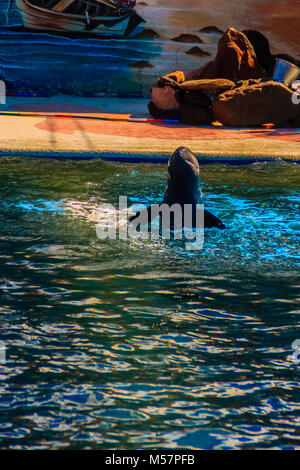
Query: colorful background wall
[129, 66]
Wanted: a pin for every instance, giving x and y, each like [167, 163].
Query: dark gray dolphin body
[183, 188]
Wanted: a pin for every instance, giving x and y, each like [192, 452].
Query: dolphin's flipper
[210, 221]
[146, 215]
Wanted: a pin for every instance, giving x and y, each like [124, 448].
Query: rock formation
[235, 60]
[255, 103]
[188, 38]
[197, 51]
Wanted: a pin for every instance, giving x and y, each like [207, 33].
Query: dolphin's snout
[182, 159]
[184, 153]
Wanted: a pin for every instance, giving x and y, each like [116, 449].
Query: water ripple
[121, 344]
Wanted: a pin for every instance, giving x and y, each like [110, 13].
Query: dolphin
[183, 188]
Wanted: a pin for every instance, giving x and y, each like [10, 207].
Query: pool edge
[137, 157]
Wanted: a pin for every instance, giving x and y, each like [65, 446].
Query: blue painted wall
[89, 66]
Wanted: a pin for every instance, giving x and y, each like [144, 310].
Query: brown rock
[211, 29]
[235, 60]
[197, 51]
[141, 64]
[208, 85]
[253, 105]
[187, 38]
[148, 33]
[251, 81]
[189, 114]
[262, 50]
[164, 98]
[295, 122]
[196, 98]
[162, 114]
[176, 76]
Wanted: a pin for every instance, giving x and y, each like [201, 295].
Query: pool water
[130, 344]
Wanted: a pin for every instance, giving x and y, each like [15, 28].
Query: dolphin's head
[183, 167]
[184, 185]
[183, 181]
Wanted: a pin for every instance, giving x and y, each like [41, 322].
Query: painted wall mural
[59, 49]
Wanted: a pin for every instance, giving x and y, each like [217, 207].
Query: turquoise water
[141, 344]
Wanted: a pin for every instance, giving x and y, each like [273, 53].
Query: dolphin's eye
[184, 150]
